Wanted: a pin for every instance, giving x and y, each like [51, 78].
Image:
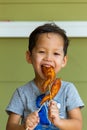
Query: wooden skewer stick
[50, 91]
[41, 107]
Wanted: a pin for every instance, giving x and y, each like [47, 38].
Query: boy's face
[48, 52]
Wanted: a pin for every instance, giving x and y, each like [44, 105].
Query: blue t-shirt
[26, 98]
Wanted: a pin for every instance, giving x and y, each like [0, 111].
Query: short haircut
[47, 28]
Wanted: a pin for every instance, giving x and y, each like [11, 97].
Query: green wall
[14, 70]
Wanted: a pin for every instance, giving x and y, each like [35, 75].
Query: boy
[47, 47]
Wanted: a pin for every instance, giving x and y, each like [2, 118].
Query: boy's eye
[56, 53]
[41, 51]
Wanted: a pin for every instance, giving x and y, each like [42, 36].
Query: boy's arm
[13, 122]
[74, 121]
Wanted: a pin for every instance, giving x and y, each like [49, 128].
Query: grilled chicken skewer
[51, 83]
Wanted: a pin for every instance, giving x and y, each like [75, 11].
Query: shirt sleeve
[16, 104]
[73, 98]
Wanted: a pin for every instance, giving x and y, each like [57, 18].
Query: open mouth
[46, 65]
[47, 70]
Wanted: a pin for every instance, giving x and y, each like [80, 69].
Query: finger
[52, 103]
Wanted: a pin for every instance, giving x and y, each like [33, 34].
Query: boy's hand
[31, 121]
[53, 112]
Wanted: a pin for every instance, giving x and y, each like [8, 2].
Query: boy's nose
[48, 57]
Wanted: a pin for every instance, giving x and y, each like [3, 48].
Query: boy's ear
[28, 57]
[64, 61]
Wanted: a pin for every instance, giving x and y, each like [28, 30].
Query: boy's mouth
[46, 65]
[46, 68]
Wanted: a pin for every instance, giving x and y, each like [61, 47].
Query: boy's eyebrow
[59, 49]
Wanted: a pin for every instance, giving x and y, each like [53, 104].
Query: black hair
[47, 28]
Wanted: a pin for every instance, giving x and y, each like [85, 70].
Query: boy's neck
[39, 83]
